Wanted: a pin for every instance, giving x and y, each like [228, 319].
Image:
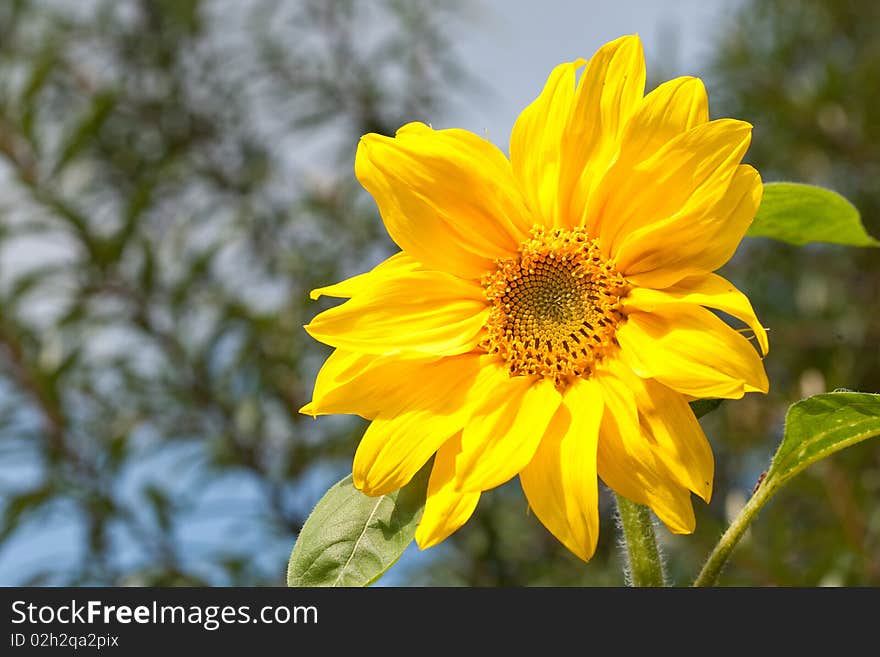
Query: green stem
[718, 559]
[643, 557]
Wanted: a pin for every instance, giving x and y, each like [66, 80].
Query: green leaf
[799, 214]
[86, 129]
[19, 506]
[815, 427]
[40, 73]
[43, 66]
[701, 407]
[351, 539]
[821, 425]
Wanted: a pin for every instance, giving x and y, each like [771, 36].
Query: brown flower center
[555, 306]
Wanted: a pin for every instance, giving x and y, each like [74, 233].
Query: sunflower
[550, 315]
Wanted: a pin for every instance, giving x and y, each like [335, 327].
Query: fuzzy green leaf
[815, 427]
[351, 539]
[799, 214]
[821, 425]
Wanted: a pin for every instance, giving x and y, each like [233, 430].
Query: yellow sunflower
[548, 315]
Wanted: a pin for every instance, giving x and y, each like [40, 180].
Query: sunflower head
[550, 314]
[555, 306]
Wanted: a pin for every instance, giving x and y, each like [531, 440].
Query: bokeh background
[175, 175]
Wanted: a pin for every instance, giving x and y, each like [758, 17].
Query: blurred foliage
[176, 175]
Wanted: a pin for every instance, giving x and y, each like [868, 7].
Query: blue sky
[512, 46]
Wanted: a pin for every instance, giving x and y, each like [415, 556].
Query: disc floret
[555, 306]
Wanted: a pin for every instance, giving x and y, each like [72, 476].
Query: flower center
[555, 306]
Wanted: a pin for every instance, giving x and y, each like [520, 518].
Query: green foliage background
[174, 178]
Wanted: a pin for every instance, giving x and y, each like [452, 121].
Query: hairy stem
[644, 565]
[718, 559]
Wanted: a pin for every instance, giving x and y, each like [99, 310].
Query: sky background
[511, 47]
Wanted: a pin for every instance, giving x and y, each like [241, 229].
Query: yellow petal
[670, 431]
[563, 142]
[685, 177]
[630, 468]
[402, 438]
[364, 384]
[672, 108]
[608, 95]
[561, 481]
[445, 508]
[536, 142]
[698, 240]
[504, 430]
[710, 290]
[398, 264]
[692, 351]
[447, 197]
[428, 312]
